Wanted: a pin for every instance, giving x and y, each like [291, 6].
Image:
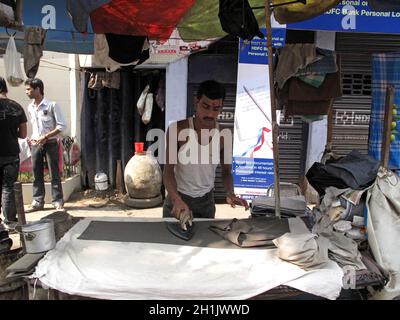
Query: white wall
[176, 91]
[55, 73]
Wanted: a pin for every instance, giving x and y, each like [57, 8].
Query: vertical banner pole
[275, 128]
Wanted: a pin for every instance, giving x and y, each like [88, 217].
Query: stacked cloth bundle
[313, 250]
[294, 206]
[307, 80]
[355, 171]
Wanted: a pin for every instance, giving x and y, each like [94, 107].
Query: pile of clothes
[307, 80]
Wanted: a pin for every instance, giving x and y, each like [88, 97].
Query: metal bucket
[101, 182]
[39, 236]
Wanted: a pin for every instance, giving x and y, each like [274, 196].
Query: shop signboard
[253, 164]
[354, 16]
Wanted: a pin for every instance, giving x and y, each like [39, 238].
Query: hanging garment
[33, 49]
[12, 64]
[299, 98]
[100, 80]
[160, 96]
[237, 19]
[80, 11]
[148, 109]
[292, 58]
[126, 50]
[327, 64]
[315, 73]
[297, 12]
[142, 100]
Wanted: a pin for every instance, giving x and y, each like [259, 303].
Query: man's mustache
[208, 119]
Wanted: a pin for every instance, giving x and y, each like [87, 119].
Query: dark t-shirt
[11, 116]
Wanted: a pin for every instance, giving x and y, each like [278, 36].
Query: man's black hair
[212, 90]
[35, 83]
[3, 85]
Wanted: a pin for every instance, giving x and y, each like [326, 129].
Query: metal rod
[275, 128]
[281, 4]
[256, 103]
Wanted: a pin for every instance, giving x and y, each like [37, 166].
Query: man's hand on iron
[233, 200]
[186, 218]
[182, 212]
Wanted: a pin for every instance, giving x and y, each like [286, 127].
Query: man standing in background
[12, 126]
[47, 123]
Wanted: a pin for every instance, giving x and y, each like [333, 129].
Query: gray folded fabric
[255, 232]
[304, 250]
[343, 250]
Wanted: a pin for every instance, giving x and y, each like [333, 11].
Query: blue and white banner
[353, 16]
[253, 164]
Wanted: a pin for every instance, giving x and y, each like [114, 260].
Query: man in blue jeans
[12, 126]
[47, 123]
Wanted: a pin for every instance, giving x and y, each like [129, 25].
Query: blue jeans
[50, 150]
[9, 167]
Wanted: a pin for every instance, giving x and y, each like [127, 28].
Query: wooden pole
[387, 127]
[19, 203]
[329, 139]
[275, 128]
[18, 12]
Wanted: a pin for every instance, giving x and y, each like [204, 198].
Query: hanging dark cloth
[33, 49]
[126, 49]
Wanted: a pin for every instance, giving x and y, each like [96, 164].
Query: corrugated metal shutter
[293, 137]
[352, 111]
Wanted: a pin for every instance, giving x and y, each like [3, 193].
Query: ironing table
[94, 260]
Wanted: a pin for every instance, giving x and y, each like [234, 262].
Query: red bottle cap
[139, 147]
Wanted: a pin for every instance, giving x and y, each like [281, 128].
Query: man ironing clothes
[194, 150]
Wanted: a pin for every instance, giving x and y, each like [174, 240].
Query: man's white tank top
[197, 179]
